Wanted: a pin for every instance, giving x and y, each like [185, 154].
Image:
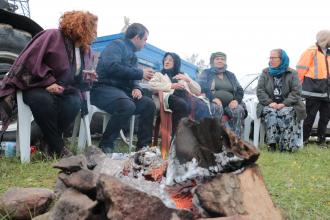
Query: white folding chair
[85, 134]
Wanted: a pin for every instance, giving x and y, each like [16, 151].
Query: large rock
[124, 202]
[24, 203]
[72, 164]
[83, 180]
[72, 205]
[238, 194]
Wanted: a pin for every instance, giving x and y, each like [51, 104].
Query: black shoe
[320, 140]
[272, 147]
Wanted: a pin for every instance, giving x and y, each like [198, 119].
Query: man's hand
[217, 101]
[181, 76]
[136, 93]
[179, 86]
[55, 88]
[148, 73]
[233, 104]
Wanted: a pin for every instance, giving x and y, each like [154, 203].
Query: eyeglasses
[273, 58]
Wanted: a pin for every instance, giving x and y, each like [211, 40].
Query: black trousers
[312, 107]
[53, 113]
[122, 106]
[180, 108]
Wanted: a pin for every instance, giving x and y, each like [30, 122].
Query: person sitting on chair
[175, 86]
[118, 90]
[280, 103]
[222, 88]
[49, 71]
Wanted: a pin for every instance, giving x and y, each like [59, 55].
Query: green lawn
[299, 183]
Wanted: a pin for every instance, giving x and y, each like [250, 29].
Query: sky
[246, 30]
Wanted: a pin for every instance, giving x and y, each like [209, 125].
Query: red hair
[80, 26]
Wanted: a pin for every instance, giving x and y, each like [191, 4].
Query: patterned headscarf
[278, 71]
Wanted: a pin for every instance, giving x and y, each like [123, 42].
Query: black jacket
[118, 66]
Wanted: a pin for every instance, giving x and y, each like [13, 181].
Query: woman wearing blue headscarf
[280, 103]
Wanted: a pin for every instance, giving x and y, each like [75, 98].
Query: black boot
[321, 142]
[272, 147]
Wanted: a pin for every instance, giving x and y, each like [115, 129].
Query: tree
[200, 63]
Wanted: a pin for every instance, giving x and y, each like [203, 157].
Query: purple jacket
[47, 59]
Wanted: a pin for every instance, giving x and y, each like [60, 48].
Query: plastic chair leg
[131, 133]
[24, 128]
[247, 128]
[256, 131]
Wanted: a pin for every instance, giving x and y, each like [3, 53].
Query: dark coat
[118, 66]
[291, 92]
[207, 77]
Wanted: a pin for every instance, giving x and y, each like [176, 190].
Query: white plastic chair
[85, 134]
[259, 128]
[252, 116]
[23, 133]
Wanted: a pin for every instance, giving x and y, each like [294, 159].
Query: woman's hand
[233, 104]
[55, 88]
[89, 76]
[136, 93]
[273, 105]
[183, 77]
[280, 106]
[276, 106]
[177, 86]
[217, 101]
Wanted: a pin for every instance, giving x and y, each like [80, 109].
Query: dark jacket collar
[130, 44]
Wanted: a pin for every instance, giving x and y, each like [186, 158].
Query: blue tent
[149, 56]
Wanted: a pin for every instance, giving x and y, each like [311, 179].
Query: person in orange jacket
[314, 73]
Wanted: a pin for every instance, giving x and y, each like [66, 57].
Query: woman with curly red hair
[49, 71]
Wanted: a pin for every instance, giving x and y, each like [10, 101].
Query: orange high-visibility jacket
[314, 71]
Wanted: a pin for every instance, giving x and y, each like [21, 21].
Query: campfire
[203, 177]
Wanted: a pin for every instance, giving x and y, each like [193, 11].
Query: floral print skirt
[282, 128]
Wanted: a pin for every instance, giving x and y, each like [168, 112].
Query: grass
[299, 183]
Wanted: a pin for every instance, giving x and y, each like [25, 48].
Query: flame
[181, 194]
[156, 173]
[183, 201]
